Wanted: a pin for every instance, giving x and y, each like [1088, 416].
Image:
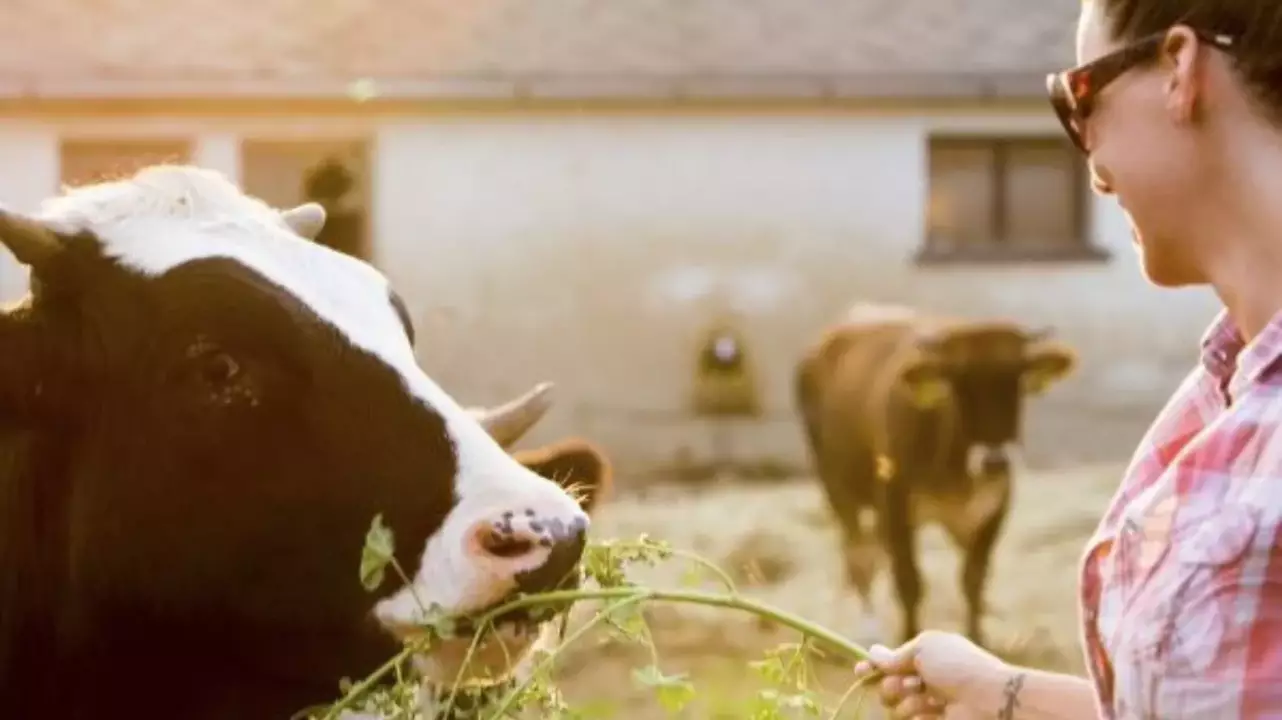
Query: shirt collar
[1234, 362]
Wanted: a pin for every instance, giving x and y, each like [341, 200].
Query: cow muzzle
[989, 462]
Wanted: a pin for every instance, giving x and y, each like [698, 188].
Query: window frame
[1001, 249]
[312, 149]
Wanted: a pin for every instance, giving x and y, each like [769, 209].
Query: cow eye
[213, 365]
[219, 369]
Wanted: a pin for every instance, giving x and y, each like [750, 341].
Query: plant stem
[364, 686]
[690, 597]
[845, 698]
[600, 617]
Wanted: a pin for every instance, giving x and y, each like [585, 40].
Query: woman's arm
[1018, 693]
[956, 673]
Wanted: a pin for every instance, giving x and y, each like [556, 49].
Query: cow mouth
[520, 620]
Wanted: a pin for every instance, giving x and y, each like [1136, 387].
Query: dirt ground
[780, 544]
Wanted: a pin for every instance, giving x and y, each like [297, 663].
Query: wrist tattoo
[1010, 697]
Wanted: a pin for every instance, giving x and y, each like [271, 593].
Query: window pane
[1041, 194]
[959, 214]
[333, 173]
[85, 161]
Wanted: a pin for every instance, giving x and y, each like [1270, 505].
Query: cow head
[234, 404]
[572, 463]
[984, 371]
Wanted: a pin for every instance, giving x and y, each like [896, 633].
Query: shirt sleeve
[1223, 655]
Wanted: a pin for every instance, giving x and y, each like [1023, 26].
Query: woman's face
[1143, 150]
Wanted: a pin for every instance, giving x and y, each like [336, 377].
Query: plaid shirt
[1181, 584]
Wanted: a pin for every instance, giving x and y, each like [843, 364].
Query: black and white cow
[201, 411]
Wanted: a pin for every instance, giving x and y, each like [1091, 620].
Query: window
[1006, 199]
[333, 173]
[93, 160]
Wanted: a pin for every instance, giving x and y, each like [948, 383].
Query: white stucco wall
[591, 249]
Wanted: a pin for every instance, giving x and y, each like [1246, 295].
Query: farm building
[577, 190]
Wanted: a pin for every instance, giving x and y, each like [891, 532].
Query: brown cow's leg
[862, 555]
[899, 533]
[979, 552]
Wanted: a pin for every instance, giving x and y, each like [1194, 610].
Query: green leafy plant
[789, 688]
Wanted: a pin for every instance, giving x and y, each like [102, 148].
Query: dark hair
[1255, 25]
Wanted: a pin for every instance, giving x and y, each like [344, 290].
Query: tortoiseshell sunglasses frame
[1073, 91]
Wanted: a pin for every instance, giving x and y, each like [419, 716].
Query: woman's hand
[938, 675]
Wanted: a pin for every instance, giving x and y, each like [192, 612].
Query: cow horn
[31, 242]
[507, 423]
[307, 220]
[1039, 334]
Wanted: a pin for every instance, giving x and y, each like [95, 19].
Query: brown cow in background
[909, 418]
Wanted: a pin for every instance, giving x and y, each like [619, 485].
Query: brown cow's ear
[574, 464]
[924, 377]
[1048, 363]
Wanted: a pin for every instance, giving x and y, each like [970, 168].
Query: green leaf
[377, 553]
[770, 668]
[444, 627]
[673, 691]
[627, 623]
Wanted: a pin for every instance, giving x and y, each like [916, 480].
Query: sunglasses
[1073, 91]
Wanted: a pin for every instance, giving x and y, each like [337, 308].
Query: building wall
[593, 248]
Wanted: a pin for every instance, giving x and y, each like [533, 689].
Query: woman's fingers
[917, 706]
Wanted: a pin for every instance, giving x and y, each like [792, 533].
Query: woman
[1179, 107]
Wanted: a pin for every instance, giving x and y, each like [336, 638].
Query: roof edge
[898, 86]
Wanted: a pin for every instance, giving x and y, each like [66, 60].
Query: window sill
[927, 257]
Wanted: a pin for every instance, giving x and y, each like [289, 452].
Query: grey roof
[499, 47]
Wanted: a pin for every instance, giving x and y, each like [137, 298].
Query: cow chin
[457, 677]
[472, 654]
[492, 658]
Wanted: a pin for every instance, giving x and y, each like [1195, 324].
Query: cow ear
[924, 377]
[576, 465]
[510, 421]
[1048, 363]
[307, 220]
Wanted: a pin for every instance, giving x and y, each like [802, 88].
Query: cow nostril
[559, 570]
[503, 545]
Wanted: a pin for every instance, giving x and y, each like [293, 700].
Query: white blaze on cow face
[167, 216]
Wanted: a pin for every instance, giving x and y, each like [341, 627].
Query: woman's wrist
[1011, 692]
[998, 691]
